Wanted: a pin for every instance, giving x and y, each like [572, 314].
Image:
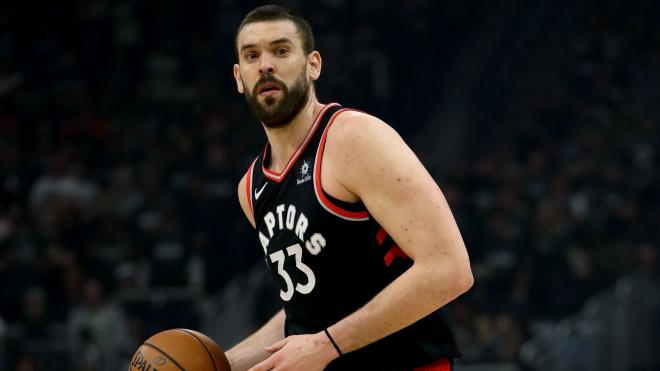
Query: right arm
[251, 350]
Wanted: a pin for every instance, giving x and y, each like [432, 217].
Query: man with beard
[354, 229]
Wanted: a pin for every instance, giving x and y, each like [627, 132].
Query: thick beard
[275, 114]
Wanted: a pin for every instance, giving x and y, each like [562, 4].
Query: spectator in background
[34, 320]
[99, 331]
[3, 355]
[26, 362]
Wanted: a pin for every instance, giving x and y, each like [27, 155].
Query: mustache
[268, 78]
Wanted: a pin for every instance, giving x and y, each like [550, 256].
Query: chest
[288, 212]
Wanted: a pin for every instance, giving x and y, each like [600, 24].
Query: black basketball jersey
[331, 257]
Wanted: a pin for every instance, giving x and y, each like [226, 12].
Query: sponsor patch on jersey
[303, 174]
[257, 192]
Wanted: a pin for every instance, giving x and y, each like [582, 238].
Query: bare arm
[251, 351]
[382, 171]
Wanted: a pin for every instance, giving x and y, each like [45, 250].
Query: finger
[264, 366]
[277, 345]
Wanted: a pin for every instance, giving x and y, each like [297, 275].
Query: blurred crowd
[122, 140]
[559, 194]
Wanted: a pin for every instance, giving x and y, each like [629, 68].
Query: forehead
[265, 32]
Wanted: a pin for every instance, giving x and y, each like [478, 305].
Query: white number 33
[295, 251]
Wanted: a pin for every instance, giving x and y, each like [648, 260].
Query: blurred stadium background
[122, 139]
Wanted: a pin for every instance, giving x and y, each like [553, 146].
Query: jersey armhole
[326, 200]
[248, 186]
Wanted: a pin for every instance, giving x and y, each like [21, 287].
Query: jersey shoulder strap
[258, 174]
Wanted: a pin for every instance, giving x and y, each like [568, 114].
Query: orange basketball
[177, 350]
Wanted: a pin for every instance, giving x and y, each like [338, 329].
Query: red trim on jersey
[248, 185]
[441, 365]
[393, 253]
[277, 177]
[380, 236]
[318, 189]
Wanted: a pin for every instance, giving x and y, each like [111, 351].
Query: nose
[266, 65]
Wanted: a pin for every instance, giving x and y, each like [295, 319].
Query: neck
[285, 140]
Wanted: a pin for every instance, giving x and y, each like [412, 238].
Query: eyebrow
[281, 40]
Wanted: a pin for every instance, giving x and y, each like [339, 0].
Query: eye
[282, 52]
[251, 56]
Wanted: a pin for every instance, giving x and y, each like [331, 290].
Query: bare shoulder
[243, 199]
[370, 153]
[354, 129]
[360, 139]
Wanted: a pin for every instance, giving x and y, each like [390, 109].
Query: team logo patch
[303, 175]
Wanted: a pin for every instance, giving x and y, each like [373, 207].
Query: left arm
[376, 166]
[402, 196]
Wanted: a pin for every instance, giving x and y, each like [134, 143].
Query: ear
[239, 80]
[314, 65]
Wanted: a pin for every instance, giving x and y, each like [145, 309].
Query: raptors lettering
[287, 217]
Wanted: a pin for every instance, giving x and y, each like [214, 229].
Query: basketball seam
[165, 354]
[204, 345]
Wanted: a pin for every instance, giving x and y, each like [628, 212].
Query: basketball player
[353, 228]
